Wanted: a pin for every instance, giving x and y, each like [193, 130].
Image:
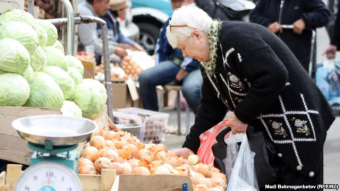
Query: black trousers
[289, 176]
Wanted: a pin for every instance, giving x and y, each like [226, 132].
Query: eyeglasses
[178, 26]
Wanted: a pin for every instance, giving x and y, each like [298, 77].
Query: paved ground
[332, 145]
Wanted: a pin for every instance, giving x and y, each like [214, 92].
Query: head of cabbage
[38, 59]
[75, 63]
[55, 58]
[15, 90]
[28, 74]
[51, 30]
[75, 75]
[98, 86]
[89, 99]
[62, 78]
[45, 93]
[42, 35]
[21, 32]
[16, 15]
[59, 46]
[14, 57]
[71, 109]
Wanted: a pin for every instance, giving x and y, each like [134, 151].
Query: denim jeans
[164, 73]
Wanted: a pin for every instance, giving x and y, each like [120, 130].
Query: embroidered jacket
[258, 77]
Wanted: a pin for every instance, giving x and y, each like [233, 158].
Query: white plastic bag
[232, 151]
[243, 177]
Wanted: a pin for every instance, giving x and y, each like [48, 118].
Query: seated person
[88, 32]
[170, 66]
[117, 10]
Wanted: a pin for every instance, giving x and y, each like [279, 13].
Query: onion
[203, 169]
[127, 137]
[97, 141]
[160, 147]
[111, 154]
[218, 181]
[116, 166]
[84, 161]
[184, 161]
[161, 170]
[125, 152]
[183, 171]
[120, 144]
[134, 150]
[110, 144]
[161, 155]
[102, 163]
[195, 176]
[90, 153]
[215, 175]
[134, 162]
[193, 159]
[87, 169]
[173, 160]
[138, 144]
[141, 171]
[127, 168]
[201, 187]
[145, 154]
[171, 169]
[216, 189]
[205, 181]
[109, 135]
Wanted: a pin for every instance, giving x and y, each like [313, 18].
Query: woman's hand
[236, 125]
[183, 152]
[275, 27]
[299, 25]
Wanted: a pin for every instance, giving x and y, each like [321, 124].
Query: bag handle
[220, 136]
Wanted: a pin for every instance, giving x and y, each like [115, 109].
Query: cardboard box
[89, 67]
[12, 147]
[122, 97]
[151, 183]
[11, 4]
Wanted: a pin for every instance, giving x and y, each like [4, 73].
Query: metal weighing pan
[60, 130]
[131, 128]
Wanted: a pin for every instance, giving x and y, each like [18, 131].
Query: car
[149, 15]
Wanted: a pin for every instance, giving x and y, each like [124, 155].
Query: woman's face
[196, 46]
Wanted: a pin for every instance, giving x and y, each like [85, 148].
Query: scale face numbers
[48, 176]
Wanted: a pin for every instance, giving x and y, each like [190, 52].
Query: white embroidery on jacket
[239, 57]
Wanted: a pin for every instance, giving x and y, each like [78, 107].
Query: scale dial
[48, 176]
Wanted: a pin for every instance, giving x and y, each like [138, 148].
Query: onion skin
[90, 153]
[98, 142]
[101, 163]
[141, 171]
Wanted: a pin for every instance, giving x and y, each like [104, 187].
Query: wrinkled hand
[275, 27]
[236, 125]
[299, 26]
[331, 51]
[112, 126]
[120, 52]
[181, 74]
[182, 152]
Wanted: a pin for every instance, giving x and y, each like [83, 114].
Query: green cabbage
[13, 56]
[71, 109]
[99, 86]
[55, 58]
[1, 72]
[75, 63]
[42, 35]
[51, 30]
[38, 59]
[15, 90]
[89, 99]
[59, 46]
[16, 15]
[75, 75]
[45, 93]
[62, 78]
[28, 74]
[21, 32]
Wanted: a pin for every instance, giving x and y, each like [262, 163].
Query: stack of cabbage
[34, 72]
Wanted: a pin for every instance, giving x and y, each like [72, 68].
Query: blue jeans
[164, 73]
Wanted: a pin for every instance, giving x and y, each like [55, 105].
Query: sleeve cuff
[242, 116]
[190, 144]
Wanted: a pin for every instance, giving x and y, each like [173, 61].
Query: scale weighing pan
[58, 129]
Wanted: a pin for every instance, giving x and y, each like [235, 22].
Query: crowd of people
[258, 70]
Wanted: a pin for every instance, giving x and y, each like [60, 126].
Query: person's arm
[210, 112]
[267, 75]
[257, 14]
[335, 40]
[315, 14]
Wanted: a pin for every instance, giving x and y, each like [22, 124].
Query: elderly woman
[250, 71]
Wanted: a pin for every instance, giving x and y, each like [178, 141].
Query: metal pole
[70, 27]
[31, 7]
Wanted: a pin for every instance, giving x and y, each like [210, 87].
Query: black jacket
[210, 7]
[257, 77]
[335, 40]
[313, 12]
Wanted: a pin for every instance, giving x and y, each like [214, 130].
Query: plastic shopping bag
[207, 139]
[243, 177]
[232, 152]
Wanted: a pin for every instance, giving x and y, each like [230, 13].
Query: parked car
[149, 15]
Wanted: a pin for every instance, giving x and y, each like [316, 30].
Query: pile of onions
[126, 154]
[131, 68]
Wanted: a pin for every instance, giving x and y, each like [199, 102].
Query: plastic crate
[153, 124]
